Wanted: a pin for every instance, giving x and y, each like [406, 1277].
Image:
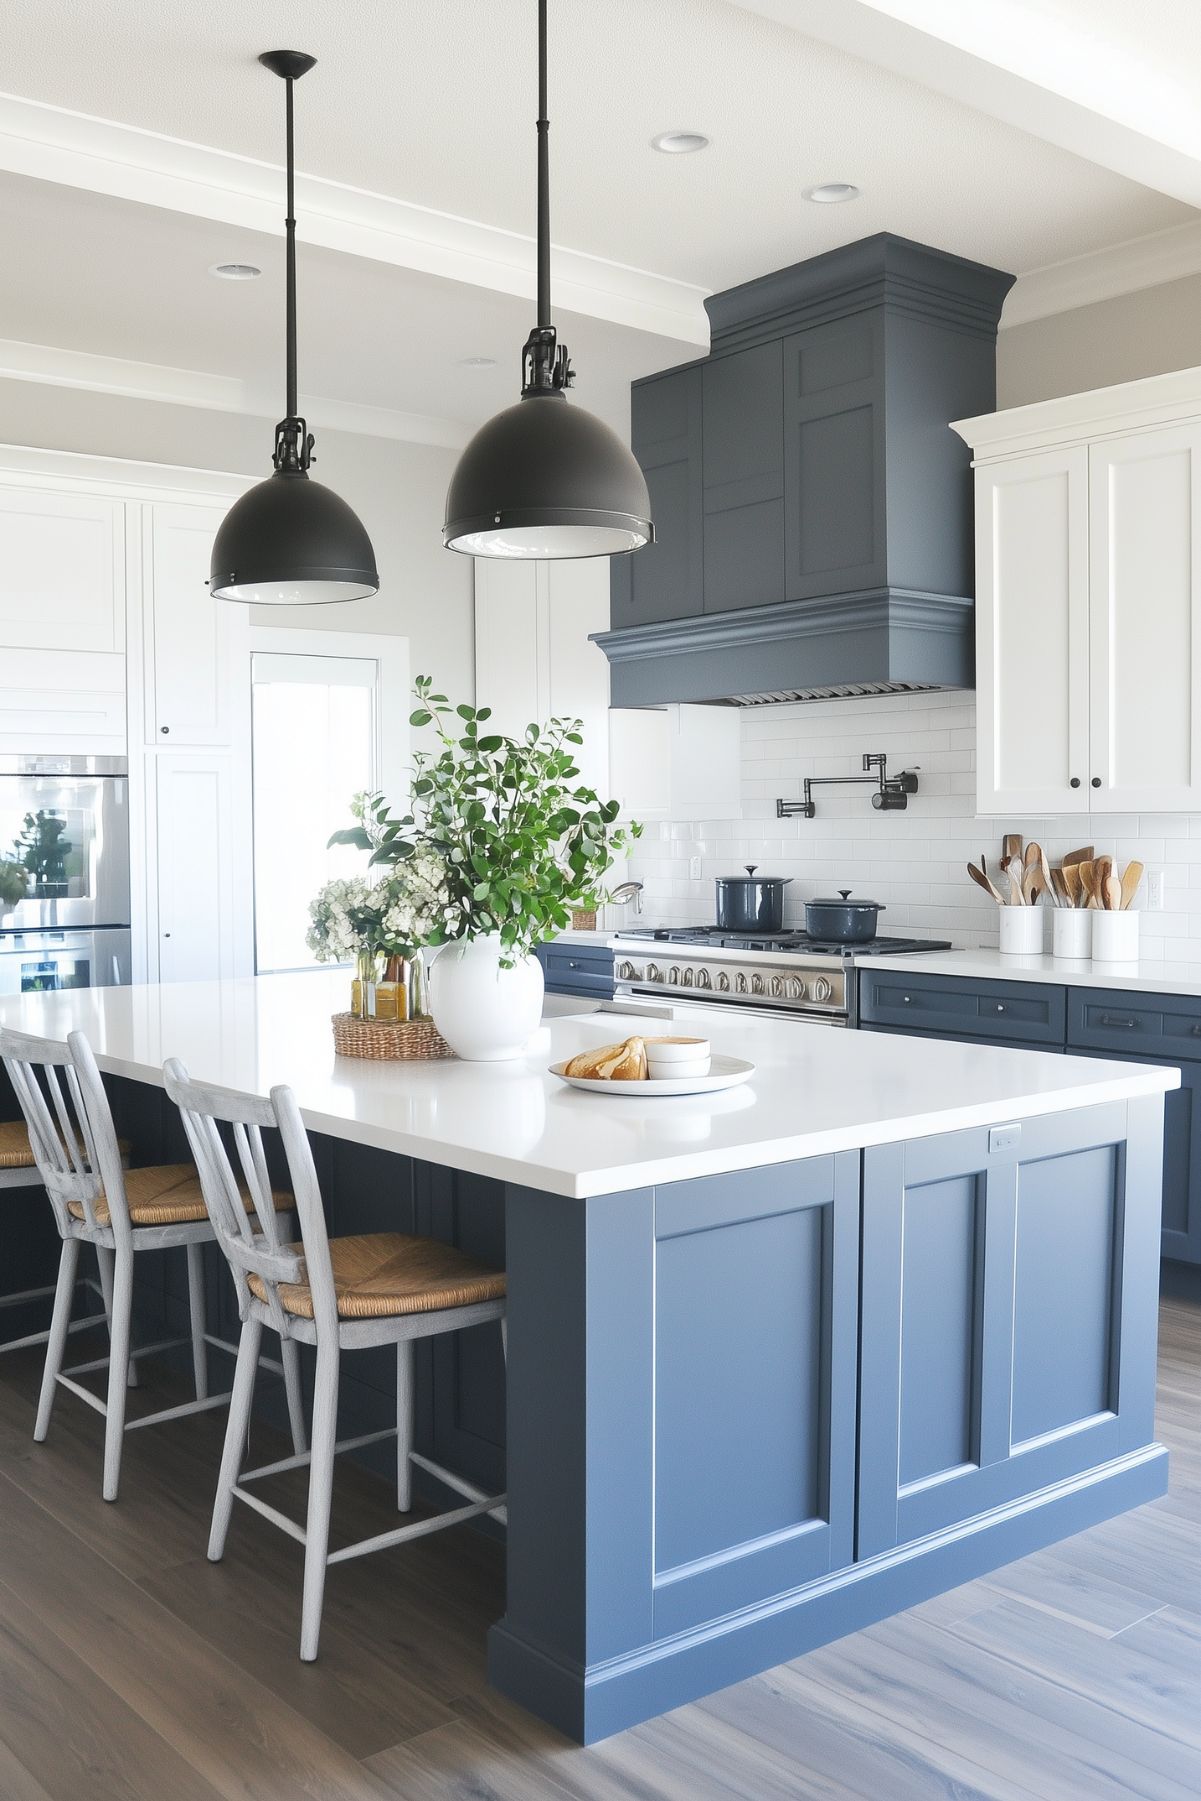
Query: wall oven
[64, 872]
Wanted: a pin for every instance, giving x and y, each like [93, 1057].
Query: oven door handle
[742, 1012]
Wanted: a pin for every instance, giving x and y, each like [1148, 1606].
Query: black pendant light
[289, 541]
[546, 479]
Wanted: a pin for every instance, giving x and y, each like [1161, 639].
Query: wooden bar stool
[122, 1213]
[18, 1169]
[340, 1294]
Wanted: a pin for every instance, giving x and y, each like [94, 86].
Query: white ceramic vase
[484, 1012]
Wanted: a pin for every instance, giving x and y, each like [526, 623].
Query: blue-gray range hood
[813, 509]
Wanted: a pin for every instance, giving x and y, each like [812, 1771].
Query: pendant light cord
[543, 178]
[290, 232]
[545, 364]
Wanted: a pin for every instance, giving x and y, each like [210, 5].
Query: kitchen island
[782, 1361]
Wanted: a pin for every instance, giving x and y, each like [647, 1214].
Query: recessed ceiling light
[679, 143]
[477, 362]
[833, 193]
[235, 271]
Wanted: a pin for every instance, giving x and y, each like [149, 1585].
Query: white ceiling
[432, 105]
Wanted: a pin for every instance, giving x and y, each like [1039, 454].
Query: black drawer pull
[1107, 1019]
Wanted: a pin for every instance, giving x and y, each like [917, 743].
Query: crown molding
[77, 150]
[118, 478]
[131, 380]
[1148, 262]
[1128, 406]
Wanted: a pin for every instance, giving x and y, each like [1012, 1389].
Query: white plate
[724, 1072]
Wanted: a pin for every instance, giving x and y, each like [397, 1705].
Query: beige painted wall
[1144, 333]
[397, 489]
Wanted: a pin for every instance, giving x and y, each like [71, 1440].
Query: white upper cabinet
[1088, 601]
[190, 640]
[1032, 632]
[533, 657]
[1145, 621]
[63, 585]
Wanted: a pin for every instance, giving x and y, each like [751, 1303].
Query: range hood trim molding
[878, 636]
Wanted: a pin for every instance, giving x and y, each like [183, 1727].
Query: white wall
[397, 489]
[914, 862]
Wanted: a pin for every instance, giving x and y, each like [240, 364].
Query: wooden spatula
[1102, 870]
[1013, 869]
[1061, 888]
[1132, 875]
[1084, 855]
[1113, 894]
[1011, 847]
[982, 881]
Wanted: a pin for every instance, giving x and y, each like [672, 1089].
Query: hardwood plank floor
[133, 1670]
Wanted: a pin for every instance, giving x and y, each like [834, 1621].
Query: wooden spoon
[1084, 855]
[1102, 870]
[1011, 847]
[1060, 888]
[1113, 894]
[1084, 875]
[982, 881]
[1132, 875]
[1036, 860]
[1013, 870]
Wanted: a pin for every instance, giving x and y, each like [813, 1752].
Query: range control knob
[796, 988]
[756, 984]
[777, 987]
[740, 986]
[723, 982]
[822, 989]
[626, 972]
[688, 976]
[703, 979]
[673, 976]
[654, 973]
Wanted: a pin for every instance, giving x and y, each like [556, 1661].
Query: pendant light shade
[290, 541]
[545, 478]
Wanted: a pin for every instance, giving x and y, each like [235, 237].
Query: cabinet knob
[1000, 1006]
[905, 998]
[1096, 781]
[166, 934]
[164, 729]
[1075, 782]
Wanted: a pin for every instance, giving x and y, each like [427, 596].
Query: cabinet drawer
[1024, 1013]
[1125, 1024]
[576, 969]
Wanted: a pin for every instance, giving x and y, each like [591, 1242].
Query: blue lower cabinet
[577, 969]
[987, 1371]
[1028, 1013]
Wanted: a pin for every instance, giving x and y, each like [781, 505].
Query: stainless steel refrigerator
[64, 872]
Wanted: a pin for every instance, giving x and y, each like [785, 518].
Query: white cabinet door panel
[1145, 621]
[577, 604]
[204, 906]
[63, 583]
[511, 673]
[62, 702]
[1032, 634]
[191, 640]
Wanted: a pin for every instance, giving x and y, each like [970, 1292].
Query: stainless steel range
[786, 974]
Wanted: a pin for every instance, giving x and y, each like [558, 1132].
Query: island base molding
[590, 1705]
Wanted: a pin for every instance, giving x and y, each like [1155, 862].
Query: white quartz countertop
[1150, 975]
[816, 1089]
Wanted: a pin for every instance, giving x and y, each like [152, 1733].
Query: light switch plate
[694, 869]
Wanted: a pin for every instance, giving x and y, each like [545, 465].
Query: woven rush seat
[16, 1151]
[381, 1275]
[167, 1194]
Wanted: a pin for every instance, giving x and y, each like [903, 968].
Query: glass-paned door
[319, 725]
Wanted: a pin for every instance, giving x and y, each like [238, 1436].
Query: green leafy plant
[14, 883]
[42, 848]
[522, 839]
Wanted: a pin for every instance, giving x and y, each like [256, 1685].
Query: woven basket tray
[386, 1040]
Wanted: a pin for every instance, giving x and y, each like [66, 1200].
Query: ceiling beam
[1013, 60]
[102, 156]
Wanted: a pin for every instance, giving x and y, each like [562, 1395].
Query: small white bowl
[670, 1057]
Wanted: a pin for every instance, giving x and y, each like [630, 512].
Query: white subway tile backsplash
[913, 862]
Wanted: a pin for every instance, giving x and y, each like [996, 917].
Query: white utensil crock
[484, 1012]
[1071, 933]
[1020, 930]
[1115, 936]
